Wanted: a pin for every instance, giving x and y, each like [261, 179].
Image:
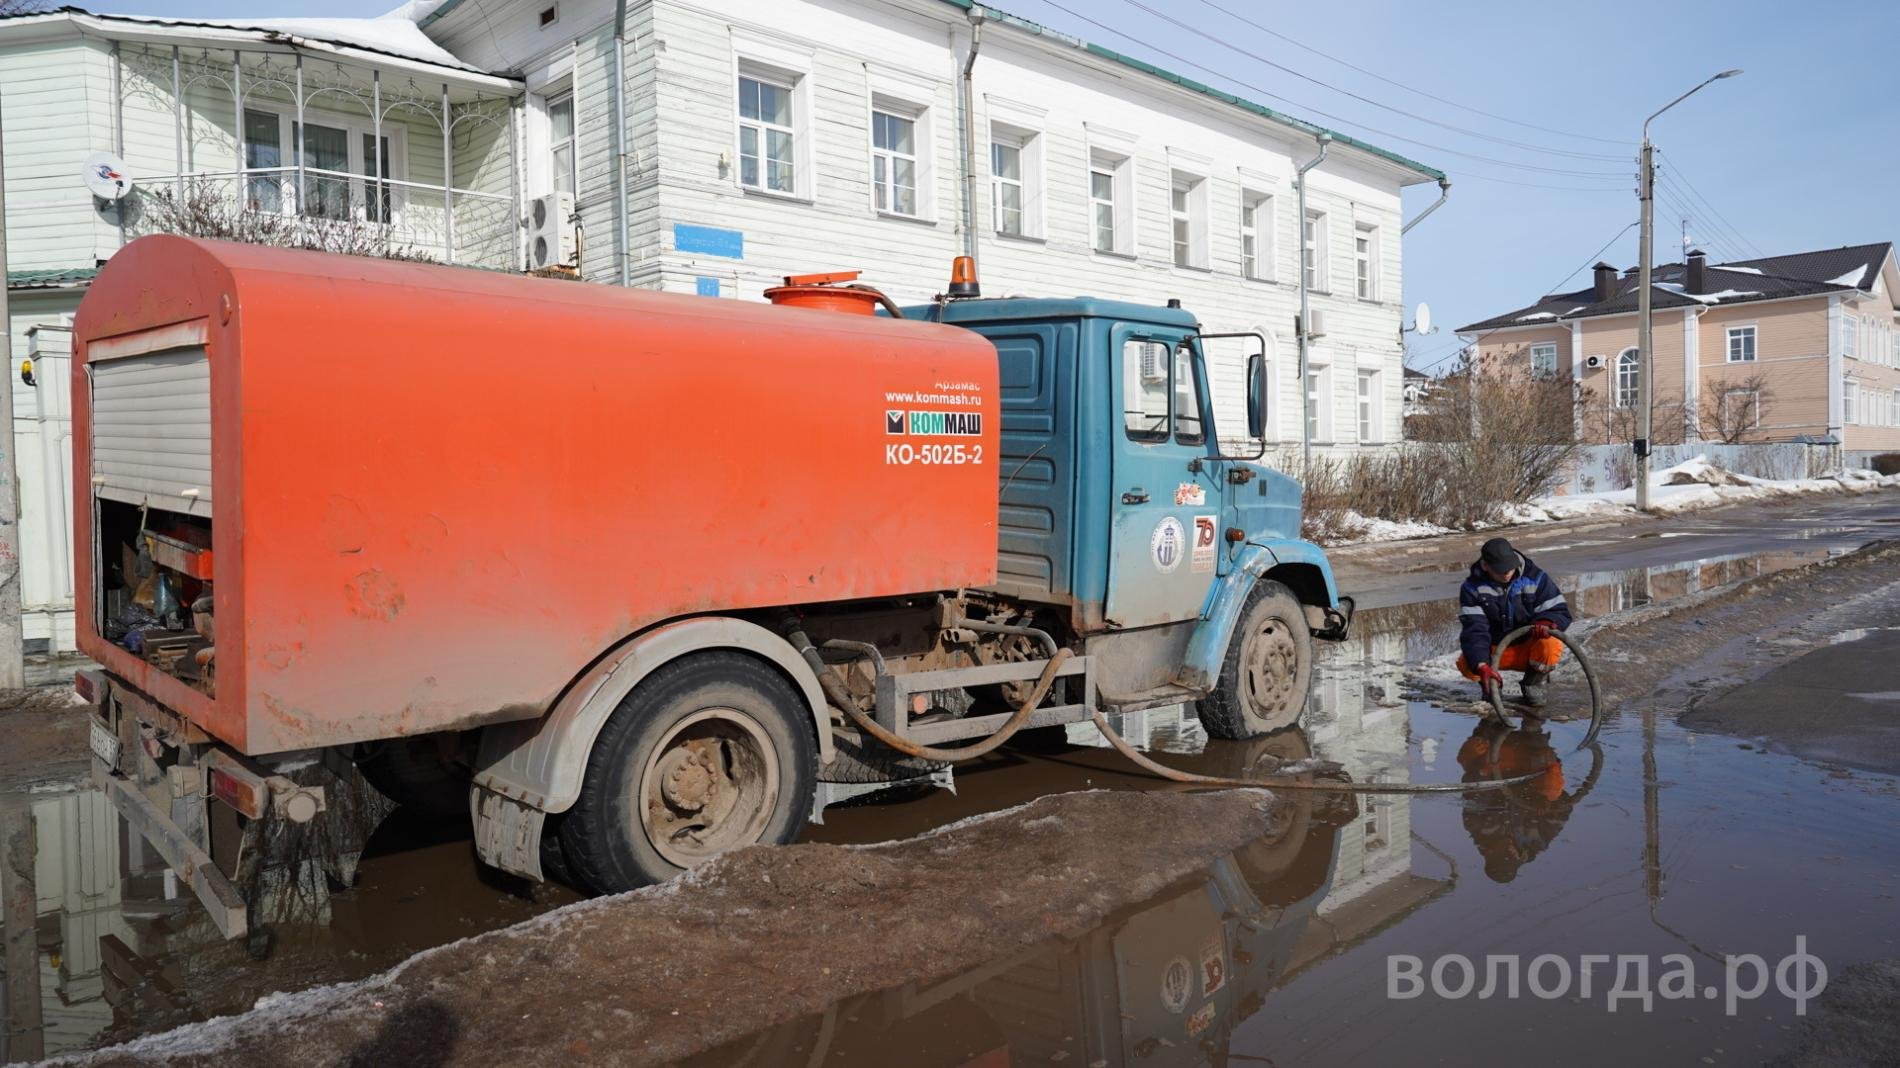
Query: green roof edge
[50, 276]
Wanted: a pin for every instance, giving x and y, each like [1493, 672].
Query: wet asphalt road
[1815, 524]
[1676, 841]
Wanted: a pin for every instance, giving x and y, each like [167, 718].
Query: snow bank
[1689, 486]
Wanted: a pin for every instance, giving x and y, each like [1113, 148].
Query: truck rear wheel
[710, 753]
[1268, 667]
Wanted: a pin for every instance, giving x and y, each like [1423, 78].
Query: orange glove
[1540, 629]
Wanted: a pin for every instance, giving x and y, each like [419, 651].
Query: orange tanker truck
[630, 573]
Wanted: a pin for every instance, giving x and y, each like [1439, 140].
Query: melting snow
[1851, 278]
[395, 33]
[1740, 270]
[1706, 298]
[1536, 315]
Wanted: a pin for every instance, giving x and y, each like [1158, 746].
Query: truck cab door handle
[1135, 497]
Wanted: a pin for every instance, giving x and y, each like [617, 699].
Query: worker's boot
[1534, 683]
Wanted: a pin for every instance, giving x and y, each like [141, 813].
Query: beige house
[1803, 347]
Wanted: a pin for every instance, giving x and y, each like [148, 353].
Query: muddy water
[1278, 952]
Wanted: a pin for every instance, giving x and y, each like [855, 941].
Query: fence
[1613, 467]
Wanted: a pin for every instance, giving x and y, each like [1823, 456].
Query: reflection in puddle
[1275, 953]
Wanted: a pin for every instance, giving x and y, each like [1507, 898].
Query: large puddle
[1671, 843]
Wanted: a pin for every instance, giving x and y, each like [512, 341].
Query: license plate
[105, 744]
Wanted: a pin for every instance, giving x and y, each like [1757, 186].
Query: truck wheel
[1267, 669]
[709, 753]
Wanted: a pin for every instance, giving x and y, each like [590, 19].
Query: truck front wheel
[1267, 669]
[709, 753]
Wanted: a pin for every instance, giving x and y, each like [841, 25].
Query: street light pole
[1646, 192]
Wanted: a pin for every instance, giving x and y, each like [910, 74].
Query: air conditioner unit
[551, 238]
[1154, 362]
[1315, 325]
[1593, 362]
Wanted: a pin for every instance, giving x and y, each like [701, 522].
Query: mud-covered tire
[742, 739]
[1268, 670]
[862, 760]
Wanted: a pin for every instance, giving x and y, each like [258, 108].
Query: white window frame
[549, 102]
[1850, 335]
[1315, 258]
[1370, 407]
[1187, 214]
[1894, 397]
[1850, 401]
[1318, 393]
[289, 148]
[918, 115]
[1635, 387]
[1120, 203]
[1260, 233]
[1365, 264]
[1749, 336]
[1028, 146]
[787, 64]
[1544, 353]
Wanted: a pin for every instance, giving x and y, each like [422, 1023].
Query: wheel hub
[710, 785]
[1271, 665]
[690, 781]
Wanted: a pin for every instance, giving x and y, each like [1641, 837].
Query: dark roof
[1739, 282]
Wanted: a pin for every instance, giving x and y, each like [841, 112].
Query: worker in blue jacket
[1505, 591]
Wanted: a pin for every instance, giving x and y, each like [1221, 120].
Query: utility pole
[1645, 355]
[12, 654]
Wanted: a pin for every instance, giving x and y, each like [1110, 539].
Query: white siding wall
[42, 450]
[58, 110]
[856, 52]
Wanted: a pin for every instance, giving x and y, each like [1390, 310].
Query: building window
[1110, 202]
[1313, 258]
[1369, 422]
[1189, 429]
[894, 162]
[1365, 261]
[1850, 335]
[1850, 401]
[1145, 366]
[1006, 188]
[1626, 372]
[1741, 344]
[1319, 416]
[340, 165]
[1544, 360]
[767, 135]
[1016, 181]
[1256, 235]
[1188, 213]
[561, 144]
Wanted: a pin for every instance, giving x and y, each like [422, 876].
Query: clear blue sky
[1800, 152]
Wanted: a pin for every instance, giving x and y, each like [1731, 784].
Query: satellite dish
[107, 176]
[1422, 318]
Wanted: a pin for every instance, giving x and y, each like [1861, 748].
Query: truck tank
[408, 498]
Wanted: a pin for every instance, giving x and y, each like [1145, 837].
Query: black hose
[1496, 693]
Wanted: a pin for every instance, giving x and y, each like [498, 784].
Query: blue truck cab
[1121, 514]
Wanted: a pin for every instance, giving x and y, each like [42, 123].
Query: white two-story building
[755, 140]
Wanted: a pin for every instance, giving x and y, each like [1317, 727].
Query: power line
[1303, 76]
[1185, 61]
[1565, 280]
[1697, 194]
[1348, 64]
[1711, 239]
[1727, 233]
[1462, 173]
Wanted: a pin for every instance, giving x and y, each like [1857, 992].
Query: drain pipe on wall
[1444, 192]
[1306, 312]
[623, 248]
[968, 104]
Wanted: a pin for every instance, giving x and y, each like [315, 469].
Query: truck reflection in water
[1163, 983]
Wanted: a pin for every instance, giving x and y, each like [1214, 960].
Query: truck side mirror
[1257, 395]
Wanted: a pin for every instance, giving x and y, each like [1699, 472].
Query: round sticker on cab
[1168, 544]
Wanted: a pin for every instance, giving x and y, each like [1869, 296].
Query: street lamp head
[1729, 73]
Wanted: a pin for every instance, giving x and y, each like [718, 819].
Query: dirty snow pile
[1691, 485]
[1370, 528]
